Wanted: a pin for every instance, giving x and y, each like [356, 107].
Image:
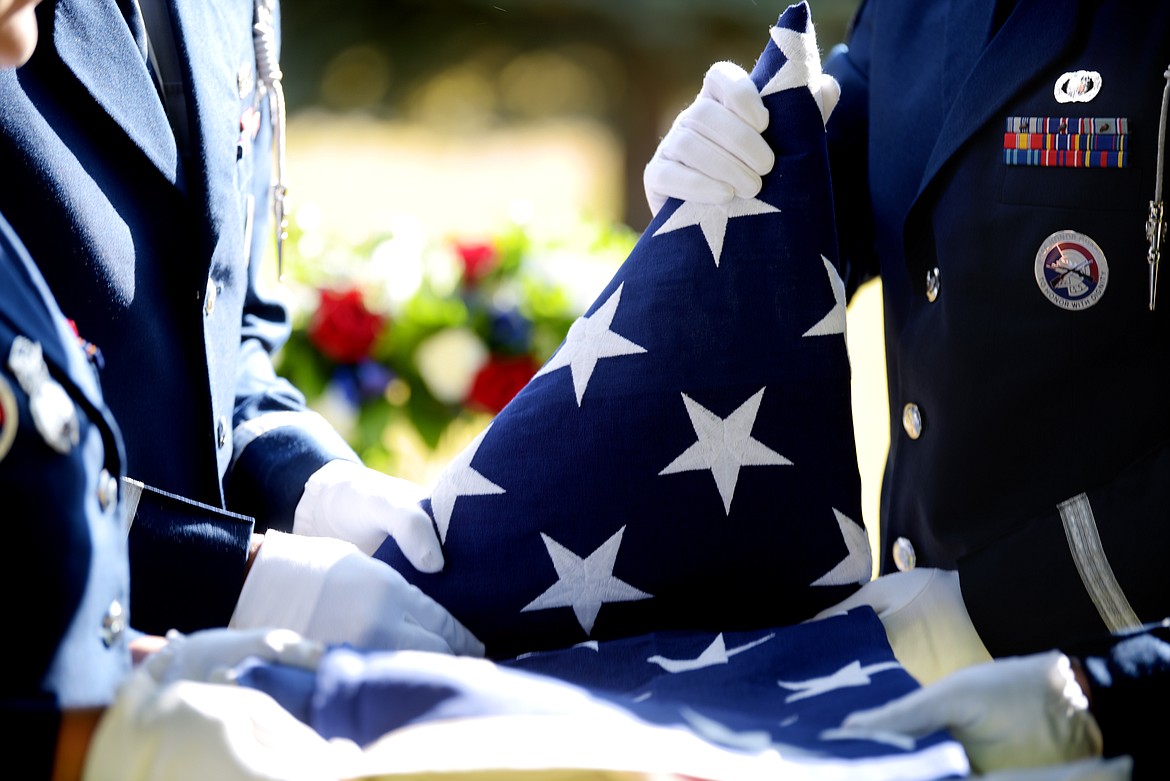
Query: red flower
[342, 328]
[500, 379]
[479, 258]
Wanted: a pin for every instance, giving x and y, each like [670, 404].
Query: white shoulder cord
[1155, 223]
[269, 76]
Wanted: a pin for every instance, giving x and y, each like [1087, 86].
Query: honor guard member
[999, 163]
[137, 150]
[69, 699]
[60, 458]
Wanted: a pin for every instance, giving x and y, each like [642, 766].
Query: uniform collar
[96, 40]
[1031, 37]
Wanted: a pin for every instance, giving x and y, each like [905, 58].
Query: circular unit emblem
[1071, 270]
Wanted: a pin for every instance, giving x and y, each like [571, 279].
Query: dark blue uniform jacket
[67, 584]
[154, 247]
[1028, 377]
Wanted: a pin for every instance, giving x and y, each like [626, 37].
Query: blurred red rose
[342, 328]
[499, 380]
[479, 258]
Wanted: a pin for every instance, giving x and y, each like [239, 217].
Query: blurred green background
[478, 65]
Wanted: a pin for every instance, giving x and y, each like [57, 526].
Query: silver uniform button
[113, 624]
[107, 489]
[912, 420]
[905, 559]
[932, 285]
[209, 298]
[221, 432]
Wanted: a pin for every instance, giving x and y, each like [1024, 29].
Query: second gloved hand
[360, 505]
[196, 731]
[1024, 711]
[328, 590]
[211, 655]
[714, 150]
[925, 619]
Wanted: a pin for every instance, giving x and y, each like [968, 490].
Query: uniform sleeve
[1100, 572]
[175, 544]
[848, 132]
[278, 443]
[1129, 680]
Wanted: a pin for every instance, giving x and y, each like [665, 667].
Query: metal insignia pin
[8, 417]
[245, 80]
[52, 410]
[1077, 87]
[1071, 270]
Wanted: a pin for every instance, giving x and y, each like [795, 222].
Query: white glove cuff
[284, 585]
[308, 518]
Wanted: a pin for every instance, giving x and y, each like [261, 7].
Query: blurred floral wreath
[402, 329]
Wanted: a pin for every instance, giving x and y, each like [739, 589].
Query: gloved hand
[210, 656]
[328, 590]
[360, 505]
[1023, 711]
[197, 731]
[925, 620]
[715, 150]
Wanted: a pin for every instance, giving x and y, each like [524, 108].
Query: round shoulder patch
[8, 417]
[1071, 270]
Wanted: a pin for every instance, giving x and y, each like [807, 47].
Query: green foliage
[376, 358]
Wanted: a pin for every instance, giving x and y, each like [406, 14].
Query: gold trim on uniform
[8, 417]
[1080, 529]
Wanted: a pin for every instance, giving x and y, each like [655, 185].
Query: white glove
[360, 505]
[925, 620]
[1022, 711]
[198, 731]
[715, 150]
[328, 590]
[212, 655]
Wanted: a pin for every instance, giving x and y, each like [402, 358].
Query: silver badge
[1071, 270]
[1077, 87]
[8, 417]
[52, 410]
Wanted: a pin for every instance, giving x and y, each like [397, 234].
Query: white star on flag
[459, 479]
[725, 445]
[585, 584]
[857, 566]
[719, 733]
[588, 341]
[712, 218]
[716, 653]
[804, 62]
[834, 322]
[895, 739]
[850, 675]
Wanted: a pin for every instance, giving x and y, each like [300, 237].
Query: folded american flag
[640, 534]
[686, 459]
[728, 705]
